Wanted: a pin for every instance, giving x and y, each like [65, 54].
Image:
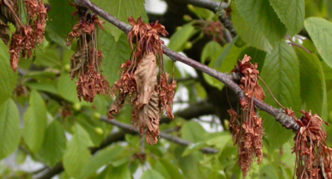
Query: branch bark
[58, 168]
[278, 114]
[129, 128]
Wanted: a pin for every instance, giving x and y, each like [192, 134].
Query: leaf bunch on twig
[247, 129]
[149, 90]
[87, 58]
[26, 36]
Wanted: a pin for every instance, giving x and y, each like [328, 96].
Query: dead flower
[247, 128]
[91, 83]
[26, 36]
[313, 157]
[86, 60]
[139, 80]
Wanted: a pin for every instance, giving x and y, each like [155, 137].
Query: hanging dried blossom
[313, 157]
[91, 83]
[86, 60]
[247, 128]
[139, 80]
[166, 94]
[27, 36]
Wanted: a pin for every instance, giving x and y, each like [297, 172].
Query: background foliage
[41, 118]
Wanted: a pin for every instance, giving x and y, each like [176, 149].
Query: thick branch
[286, 121]
[211, 5]
[163, 135]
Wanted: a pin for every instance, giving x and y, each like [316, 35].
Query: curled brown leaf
[146, 78]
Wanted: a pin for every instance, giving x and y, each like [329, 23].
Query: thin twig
[163, 135]
[299, 46]
[286, 121]
[269, 90]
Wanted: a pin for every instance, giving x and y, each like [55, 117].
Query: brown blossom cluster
[86, 60]
[27, 36]
[313, 157]
[247, 129]
[212, 29]
[150, 90]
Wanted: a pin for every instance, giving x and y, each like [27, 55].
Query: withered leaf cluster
[247, 129]
[87, 58]
[26, 36]
[149, 89]
[313, 156]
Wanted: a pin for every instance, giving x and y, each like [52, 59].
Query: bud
[99, 131]
[77, 106]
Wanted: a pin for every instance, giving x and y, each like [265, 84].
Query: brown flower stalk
[247, 129]
[86, 60]
[149, 91]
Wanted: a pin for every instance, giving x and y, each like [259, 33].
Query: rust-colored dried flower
[91, 83]
[313, 157]
[247, 128]
[26, 36]
[166, 94]
[139, 80]
[86, 60]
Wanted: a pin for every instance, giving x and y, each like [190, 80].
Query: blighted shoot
[87, 58]
[144, 81]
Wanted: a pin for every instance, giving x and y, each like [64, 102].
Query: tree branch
[278, 114]
[163, 135]
[211, 5]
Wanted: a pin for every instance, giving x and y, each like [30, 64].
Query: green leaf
[102, 158]
[268, 172]
[192, 148]
[121, 9]
[313, 87]
[291, 13]
[58, 26]
[47, 56]
[181, 36]
[115, 53]
[9, 128]
[260, 17]
[77, 153]
[257, 56]
[193, 132]
[8, 77]
[209, 55]
[282, 75]
[249, 33]
[320, 31]
[67, 88]
[151, 174]
[54, 144]
[35, 122]
[167, 169]
[220, 141]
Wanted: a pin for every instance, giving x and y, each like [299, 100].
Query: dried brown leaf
[146, 118]
[146, 78]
